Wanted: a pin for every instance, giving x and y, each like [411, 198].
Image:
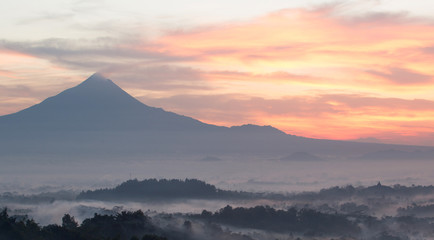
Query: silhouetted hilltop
[163, 189]
[301, 156]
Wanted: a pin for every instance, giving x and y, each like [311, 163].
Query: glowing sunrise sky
[352, 70]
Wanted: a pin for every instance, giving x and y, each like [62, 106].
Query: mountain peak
[97, 77]
[96, 80]
[96, 104]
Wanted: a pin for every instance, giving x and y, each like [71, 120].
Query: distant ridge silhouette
[97, 118]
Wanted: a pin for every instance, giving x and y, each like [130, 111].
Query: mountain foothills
[98, 119]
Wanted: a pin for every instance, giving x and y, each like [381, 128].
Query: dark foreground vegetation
[291, 224]
[125, 225]
[305, 221]
[122, 226]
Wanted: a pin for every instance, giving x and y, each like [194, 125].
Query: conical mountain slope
[97, 118]
[97, 104]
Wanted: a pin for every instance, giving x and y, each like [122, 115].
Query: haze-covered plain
[108, 161]
[193, 209]
[236, 173]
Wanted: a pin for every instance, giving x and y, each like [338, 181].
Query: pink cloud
[283, 69]
[402, 76]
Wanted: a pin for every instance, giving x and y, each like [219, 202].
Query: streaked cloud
[317, 72]
[402, 76]
[346, 116]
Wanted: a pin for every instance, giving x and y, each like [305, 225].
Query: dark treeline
[123, 226]
[417, 210]
[311, 223]
[306, 221]
[38, 198]
[378, 190]
[162, 189]
[136, 190]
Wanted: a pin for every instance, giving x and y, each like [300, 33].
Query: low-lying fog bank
[193, 209]
[255, 174]
[398, 208]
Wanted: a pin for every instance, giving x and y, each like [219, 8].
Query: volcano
[97, 118]
[97, 104]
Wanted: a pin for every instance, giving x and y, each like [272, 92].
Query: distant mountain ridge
[97, 118]
[392, 154]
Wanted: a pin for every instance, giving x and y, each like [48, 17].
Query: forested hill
[163, 189]
[172, 189]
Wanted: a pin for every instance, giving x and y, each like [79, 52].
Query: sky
[348, 70]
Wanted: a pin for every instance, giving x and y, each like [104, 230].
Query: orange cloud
[313, 42]
[314, 73]
[26, 80]
[332, 116]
